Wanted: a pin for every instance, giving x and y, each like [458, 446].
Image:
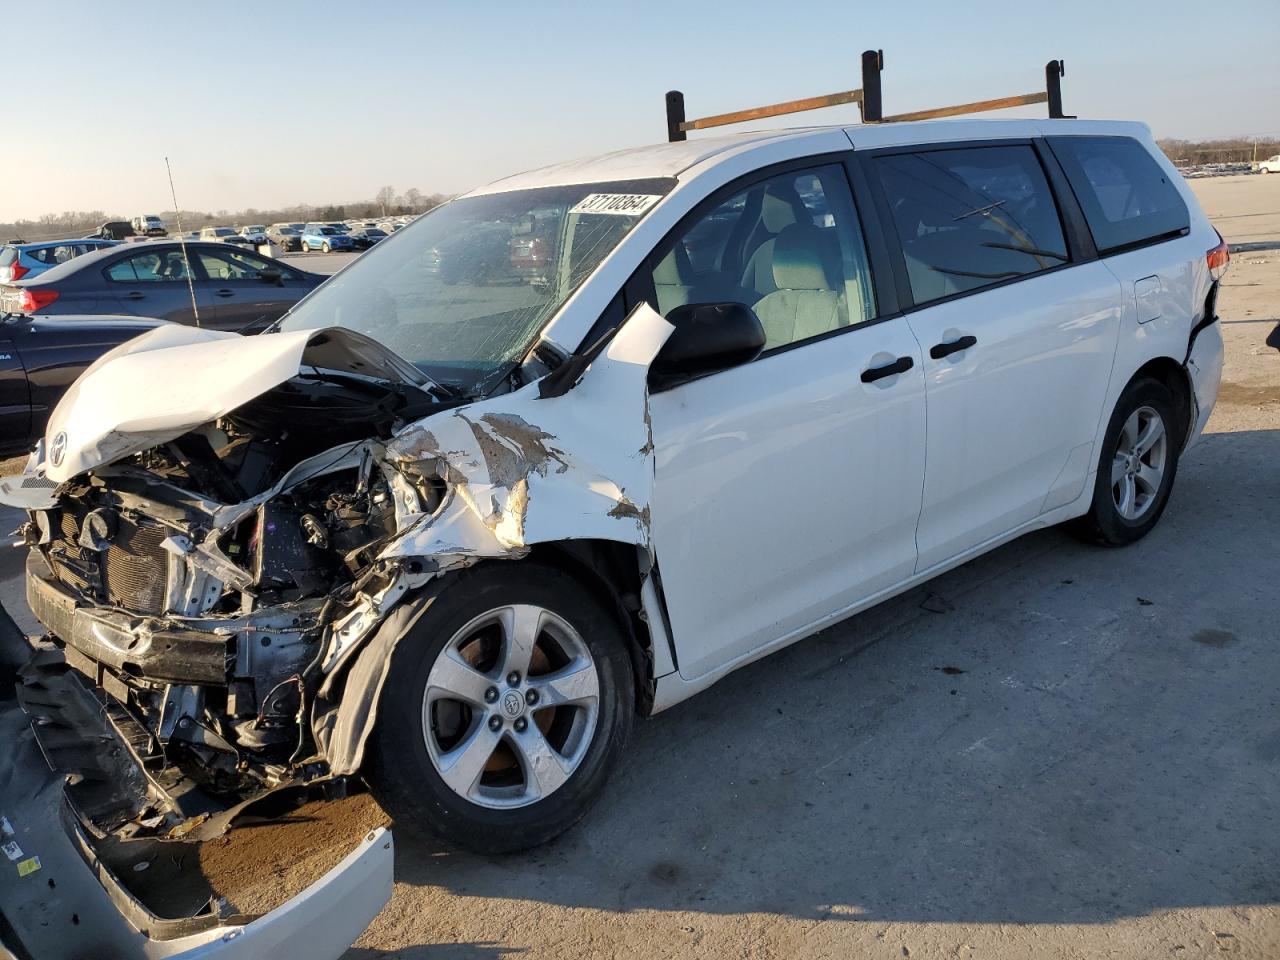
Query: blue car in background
[322, 236]
[22, 261]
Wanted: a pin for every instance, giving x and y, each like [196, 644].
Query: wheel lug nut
[491, 695]
[495, 723]
[531, 697]
[513, 678]
[521, 724]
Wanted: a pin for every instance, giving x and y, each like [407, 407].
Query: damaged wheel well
[1173, 375]
[609, 568]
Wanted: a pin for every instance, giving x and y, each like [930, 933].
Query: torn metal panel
[534, 470]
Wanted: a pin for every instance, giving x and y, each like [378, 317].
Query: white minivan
[454, 537]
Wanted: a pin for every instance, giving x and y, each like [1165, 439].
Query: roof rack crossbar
[978, 106]
[868, 99]
[773, 110]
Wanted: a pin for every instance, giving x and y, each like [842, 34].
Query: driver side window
[790, 247]
[234, 265]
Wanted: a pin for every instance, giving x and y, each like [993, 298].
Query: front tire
[505, 709]
[324, 247]
[1137, 466]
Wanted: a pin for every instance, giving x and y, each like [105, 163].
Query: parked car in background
[340, 226]
[113, 230]
[225, 235]
[24, 261]
[40, 357]
[256, 233]
[390, 226]
[233, 287]
[1270, 165]
[285, 236]
[365, 237]
[324, 237]
[149, 225]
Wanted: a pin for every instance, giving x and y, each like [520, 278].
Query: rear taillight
[1218, 258]
[31, 301]
[15, 271]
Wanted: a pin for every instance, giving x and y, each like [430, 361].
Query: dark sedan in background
[40, 357]
[233, 288]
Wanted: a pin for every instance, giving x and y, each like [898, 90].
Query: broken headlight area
[205, 589]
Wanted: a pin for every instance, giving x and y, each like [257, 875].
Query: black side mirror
[271, 276]
[708, 337]
[1273, 338]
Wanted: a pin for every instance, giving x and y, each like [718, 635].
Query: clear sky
[273, 103]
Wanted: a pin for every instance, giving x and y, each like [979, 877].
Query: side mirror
[708, 337]
[271, 276]
[1273, 338]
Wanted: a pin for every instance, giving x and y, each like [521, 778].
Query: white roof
[672, 159]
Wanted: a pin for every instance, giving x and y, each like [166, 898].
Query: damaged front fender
[520, 470]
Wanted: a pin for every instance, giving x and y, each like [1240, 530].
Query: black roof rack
[868, 99]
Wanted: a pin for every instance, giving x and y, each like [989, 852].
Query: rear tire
[576, 696]
[1136, 467]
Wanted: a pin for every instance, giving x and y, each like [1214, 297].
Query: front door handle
[135, 295]
[940, 350]
[224, 293]
[901, 365]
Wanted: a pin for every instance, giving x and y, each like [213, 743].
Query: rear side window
[971, 217]
[1125, 194]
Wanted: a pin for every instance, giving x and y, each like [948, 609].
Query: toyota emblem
[58, 449]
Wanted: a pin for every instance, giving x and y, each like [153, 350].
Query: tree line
[1234, 150]
[77, 223]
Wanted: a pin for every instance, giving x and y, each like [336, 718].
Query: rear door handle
[901, 365]
[940, 350]
[224, 293]
[135, 295]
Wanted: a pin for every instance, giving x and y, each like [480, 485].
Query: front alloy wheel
[506, 705]
[510, 706]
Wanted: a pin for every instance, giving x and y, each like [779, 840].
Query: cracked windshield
[464, 290]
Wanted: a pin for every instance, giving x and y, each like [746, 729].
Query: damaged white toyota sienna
[568, 449]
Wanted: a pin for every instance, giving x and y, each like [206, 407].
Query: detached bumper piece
[69, 901]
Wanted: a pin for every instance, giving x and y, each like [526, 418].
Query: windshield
[451, 295]
[224, 232]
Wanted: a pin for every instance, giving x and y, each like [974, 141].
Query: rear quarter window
[1126, 196]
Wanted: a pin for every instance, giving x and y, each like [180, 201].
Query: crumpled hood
[168, 381]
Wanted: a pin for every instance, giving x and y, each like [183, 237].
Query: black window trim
[639, 286]
[1080, 247]
[1133, 244]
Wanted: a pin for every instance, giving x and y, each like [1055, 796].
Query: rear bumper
[1204, 367]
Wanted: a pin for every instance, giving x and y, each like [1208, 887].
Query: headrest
[802, 259]
[674, 269]
[778, 207]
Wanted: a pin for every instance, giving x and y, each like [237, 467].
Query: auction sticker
[12, 850]
[618, 204]
[29, 866]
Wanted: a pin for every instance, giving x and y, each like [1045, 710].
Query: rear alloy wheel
[506, 706]
[1137, 466]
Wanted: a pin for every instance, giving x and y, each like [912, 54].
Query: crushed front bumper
[120, 641]
[62, 897]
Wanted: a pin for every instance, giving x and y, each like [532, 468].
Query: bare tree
[385, 197]
[413, 199]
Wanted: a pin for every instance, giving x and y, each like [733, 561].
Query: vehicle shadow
[437, 951]
[1054, 732]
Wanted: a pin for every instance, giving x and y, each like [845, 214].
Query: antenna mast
[182, 242]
